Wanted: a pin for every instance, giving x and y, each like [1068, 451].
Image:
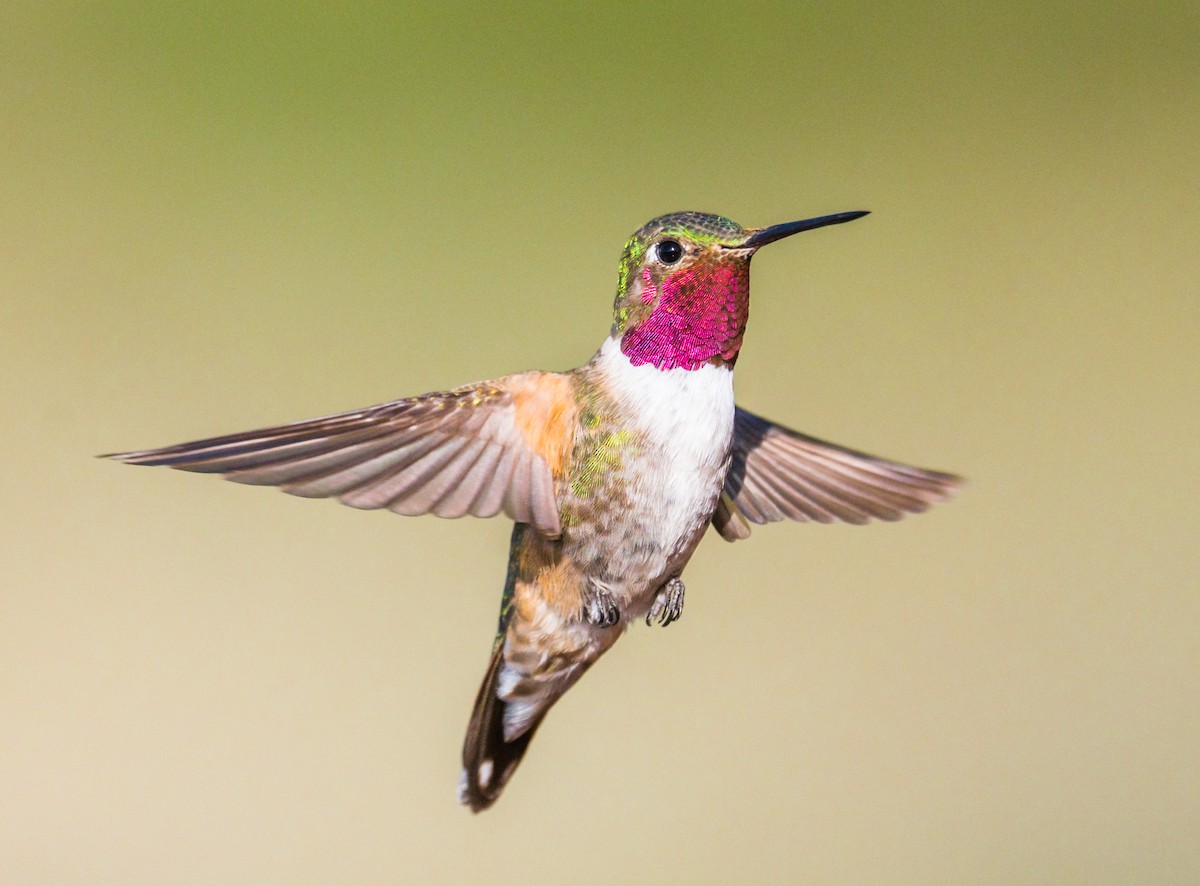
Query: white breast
[686, 418]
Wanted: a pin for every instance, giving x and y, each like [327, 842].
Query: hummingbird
[611, 472]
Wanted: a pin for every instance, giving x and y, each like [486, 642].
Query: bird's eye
[669, 252]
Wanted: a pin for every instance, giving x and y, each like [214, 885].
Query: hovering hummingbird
[611, 472]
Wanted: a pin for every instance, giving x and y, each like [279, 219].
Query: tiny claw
[600, 608]
[668, 605]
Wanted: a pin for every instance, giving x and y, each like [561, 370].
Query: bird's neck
[644, 389]
[697, 318]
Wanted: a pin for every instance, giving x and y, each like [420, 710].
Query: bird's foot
[600, 606]
[668, 605]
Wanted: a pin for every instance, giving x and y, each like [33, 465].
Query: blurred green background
[219, 216]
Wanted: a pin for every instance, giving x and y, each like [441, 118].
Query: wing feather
[423, 497]
[353, 471]
[458, 500]
[490, 500]
[779, 474]
[451, 453]
[392, 490]
[729, 521]
[516, 494]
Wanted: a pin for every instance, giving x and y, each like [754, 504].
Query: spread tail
[489, 760]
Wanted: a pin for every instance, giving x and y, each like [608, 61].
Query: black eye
[669, 252]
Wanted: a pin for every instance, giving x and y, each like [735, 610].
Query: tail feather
[489, 760]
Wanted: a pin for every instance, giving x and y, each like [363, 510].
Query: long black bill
[763, 236]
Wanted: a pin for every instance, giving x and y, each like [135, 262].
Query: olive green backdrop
[214, 218]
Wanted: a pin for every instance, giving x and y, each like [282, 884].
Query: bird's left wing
[780, 474]
[477, 450]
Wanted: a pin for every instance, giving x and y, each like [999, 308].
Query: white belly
[685, 418]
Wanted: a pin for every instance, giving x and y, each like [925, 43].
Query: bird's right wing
[475, 450]
[780, 474]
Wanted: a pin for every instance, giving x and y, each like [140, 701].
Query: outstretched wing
[475, 450]
[779, 474]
